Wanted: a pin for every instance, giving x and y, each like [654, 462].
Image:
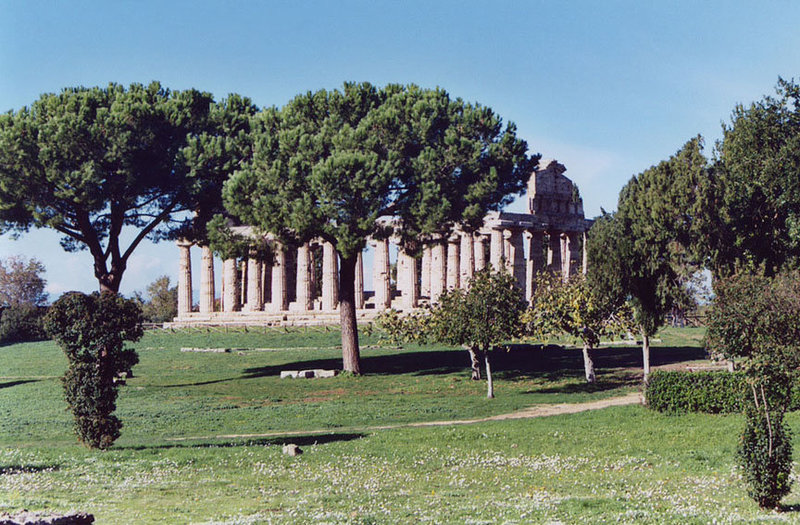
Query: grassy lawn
[174, 463]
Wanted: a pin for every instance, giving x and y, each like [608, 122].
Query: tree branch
[146, 230]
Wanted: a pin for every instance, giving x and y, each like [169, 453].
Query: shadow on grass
[300, 440]
[795, 507]
[518, 361]
[26, 469]
[602, 383]
[20, 382]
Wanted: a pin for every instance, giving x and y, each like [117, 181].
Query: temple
[299, 286]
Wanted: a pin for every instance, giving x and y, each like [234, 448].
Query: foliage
[90, 162]
[749, 215]
[21, 282]
[679, 392]
[162, 305]
[478, 318]
[21, 322]
[765, 453]
[337, 164]
[577, 309]
[640, 252]
[91, 330]
[222, 146]
[754, 320]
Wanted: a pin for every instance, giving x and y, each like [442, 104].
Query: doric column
[400, 274]
[243, 283]
[279, 296]
[515, 256]
[585, 264]
[230, 286]
[314, 287]
[479, 250]
[575, 263]
[185, 278]
[535, 261]
[407, 266]
[254, 299]
[453, 262]
[467, 260]
[438, 270]
[266, 283]
[304, 278]
[380, 275]
[330, 277]
[425, 279]
[206, 280]
[565, 257]
[496, 250]
[360, 281]
[554, 252]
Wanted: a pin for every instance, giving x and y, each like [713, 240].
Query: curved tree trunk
[645, 354]
[475, 361]
[588, 364]
[489, 383]
[351, 358]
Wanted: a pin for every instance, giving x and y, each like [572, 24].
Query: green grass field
[203, 434]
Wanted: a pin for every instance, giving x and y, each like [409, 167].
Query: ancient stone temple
[300, 285]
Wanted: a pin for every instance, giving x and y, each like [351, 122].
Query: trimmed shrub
[92, 329]
[765, 453]
[21, 323]
[678, 392]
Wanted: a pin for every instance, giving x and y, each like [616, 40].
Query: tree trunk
[645, 355]
[347, 315]
[731, 365]
[475, 361]
[109, 282]
[588, 364]
[489, 383]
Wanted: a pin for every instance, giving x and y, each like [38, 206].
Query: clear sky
[608, 88]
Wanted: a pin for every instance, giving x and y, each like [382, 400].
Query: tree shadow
[794, 507]
[433, 362]
[303, 440]
[518, 361]
[557, 360]
[9, 384]
[600, 385]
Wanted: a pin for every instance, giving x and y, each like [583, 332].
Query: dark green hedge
[676, 392]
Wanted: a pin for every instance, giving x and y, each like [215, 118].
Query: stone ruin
[285, 291]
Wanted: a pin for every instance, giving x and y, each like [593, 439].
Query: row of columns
[259, 285]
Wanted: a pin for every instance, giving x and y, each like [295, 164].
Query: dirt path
[526, 413]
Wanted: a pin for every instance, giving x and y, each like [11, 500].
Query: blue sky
[607, 88]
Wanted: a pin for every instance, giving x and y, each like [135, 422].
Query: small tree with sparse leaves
[754, 320]
[478, 318]
[577, 310]
[92, 329]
